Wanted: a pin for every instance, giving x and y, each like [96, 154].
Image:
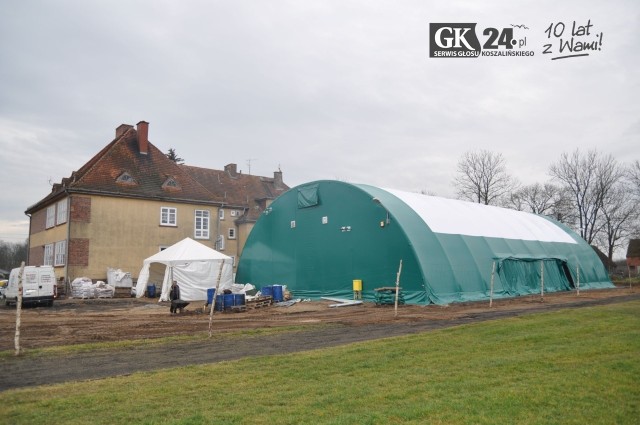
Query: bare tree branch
[588, 178]
[482, 178]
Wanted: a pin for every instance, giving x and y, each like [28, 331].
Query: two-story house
[130, 201]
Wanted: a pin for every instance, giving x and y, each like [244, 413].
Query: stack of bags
[84, 288]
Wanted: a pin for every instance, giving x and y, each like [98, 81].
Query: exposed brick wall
[633, 261]
[78, 252]
[80, 210]
[36, 256]
[38, 221]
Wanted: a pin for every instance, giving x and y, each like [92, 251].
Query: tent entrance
[522, 276]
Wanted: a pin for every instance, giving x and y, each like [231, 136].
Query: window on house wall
[232, 233]
[220, 244]
[221, 214]
[202, 224]
[62, 212]
[48, 255]
[51, 216]
[168, 216]
[60, 253]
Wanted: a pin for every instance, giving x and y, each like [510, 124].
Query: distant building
[633, 256]
[130, 201]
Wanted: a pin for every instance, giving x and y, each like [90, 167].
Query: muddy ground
[77, 321]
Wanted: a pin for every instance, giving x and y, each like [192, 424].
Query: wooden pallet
[236, 309]
[259, 302]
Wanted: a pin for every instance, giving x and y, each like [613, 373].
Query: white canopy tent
[195, 266]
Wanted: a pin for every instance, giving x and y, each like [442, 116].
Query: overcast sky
[322, 89]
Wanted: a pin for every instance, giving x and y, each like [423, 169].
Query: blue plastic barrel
[267, 291]
[228, 301]
[219, 302]
[278, 294]
[239, 299]
[151, 291]
[210, 293]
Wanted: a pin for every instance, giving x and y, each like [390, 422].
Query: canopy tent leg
[542, 280]
[493, 273]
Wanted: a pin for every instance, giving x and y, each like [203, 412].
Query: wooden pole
[19, 309]
[398, 288]
[578, 276]
[542, 280]
[493, 273]
[213, 302]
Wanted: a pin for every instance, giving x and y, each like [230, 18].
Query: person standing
[174, 296]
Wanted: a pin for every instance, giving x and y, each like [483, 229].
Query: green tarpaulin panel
[447, 247]
[308, 196]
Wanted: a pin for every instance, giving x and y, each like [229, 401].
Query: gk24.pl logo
[460, 41]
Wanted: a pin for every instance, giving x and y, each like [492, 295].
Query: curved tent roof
[318, 237]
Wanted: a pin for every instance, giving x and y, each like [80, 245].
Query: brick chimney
[122, 128]
[143, 137]
[277, 179]
[232, 169]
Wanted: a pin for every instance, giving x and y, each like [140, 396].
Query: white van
[38, 286]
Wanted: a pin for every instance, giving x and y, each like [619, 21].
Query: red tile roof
[154, 176]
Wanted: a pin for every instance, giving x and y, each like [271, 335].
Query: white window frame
[220, 244]
[51, 216]
[201, 224]
[60, 253]
[231, 233]
[233, 260]
[61, 217]
[221, 214]
[169, 211]
[48, 255]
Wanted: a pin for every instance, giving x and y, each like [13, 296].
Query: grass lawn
[577, 366]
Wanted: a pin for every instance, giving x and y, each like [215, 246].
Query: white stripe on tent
[451, 216]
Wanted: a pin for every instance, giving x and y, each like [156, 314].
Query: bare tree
[482, 177]
[618, 217]
[12, 254]
[633, 175]
[588, 178]
[536, 198]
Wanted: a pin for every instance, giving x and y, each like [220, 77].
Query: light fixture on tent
[387, 221]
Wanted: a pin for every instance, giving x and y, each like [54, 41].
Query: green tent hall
[317, 238]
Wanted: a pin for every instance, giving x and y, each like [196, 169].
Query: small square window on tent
[308, 196]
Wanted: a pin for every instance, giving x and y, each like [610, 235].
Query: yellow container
[357, 284]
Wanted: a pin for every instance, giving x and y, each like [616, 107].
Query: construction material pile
[84, 288]
[387, 296]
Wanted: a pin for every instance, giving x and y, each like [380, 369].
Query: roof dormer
[171, 184]
[126, 179]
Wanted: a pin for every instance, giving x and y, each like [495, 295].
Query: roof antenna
[249, 164]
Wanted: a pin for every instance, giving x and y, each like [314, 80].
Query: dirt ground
[76, 321]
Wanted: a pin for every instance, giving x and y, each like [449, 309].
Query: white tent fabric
[456, 217]
[195, 266]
